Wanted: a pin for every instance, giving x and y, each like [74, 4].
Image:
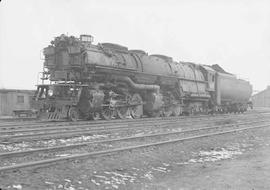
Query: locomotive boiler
[110, 81]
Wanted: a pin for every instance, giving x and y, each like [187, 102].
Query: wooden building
[262, 99]
[12, 100]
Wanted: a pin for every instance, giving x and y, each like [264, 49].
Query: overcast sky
[232, 33]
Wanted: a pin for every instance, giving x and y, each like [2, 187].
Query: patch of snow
[192, 160]
[96, 183]
[161, 168]
[60, 186]
[17, 186]
[182, 163]
[148, 175]
[215, 155]
[15, 147]
[51, 142]
[107, 182]
[70, 188]
[158, 169]
[115, 186]
[62, 155]
[71, 140]
[100, 176]
[176, 130]
[49, 183]
[246, 145]
[138, 134]
[115, 179]
[106, 145]
[165, 164]
[221, 154]
[67, 180]
[81, 188]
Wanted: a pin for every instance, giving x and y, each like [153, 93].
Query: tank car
[110, 81]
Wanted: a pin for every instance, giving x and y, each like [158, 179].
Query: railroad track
[115, 121]
[7, 120]
[99, 122]
[123, 138]
[193, 134]
[67, 132]
[98, 126]
[57, 126]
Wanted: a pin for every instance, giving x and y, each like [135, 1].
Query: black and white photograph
[135, 95]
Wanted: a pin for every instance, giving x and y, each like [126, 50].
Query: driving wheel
[122, 112]
[106, 113]
[95, 116]
[136, 110]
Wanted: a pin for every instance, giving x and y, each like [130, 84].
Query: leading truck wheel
[73, 114]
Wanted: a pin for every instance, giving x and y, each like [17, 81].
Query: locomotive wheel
[167, 112]
[94, 116]
[106, 113]
[73, 114]
[122, 112]
[176, 110]
[137, 110]
[155, 113]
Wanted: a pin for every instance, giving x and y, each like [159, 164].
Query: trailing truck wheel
[106, 113]
[122, 112]
[73, 114]
[136, 111]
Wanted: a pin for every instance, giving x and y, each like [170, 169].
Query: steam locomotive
[81, 80]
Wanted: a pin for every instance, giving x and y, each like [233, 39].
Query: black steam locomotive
[83, 80]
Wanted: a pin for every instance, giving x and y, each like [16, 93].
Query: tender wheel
[136, 111]
[73, 114]
[106, 113]
[95, 116]
[122, 112]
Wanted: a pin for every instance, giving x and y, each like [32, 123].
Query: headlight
[50, 92]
